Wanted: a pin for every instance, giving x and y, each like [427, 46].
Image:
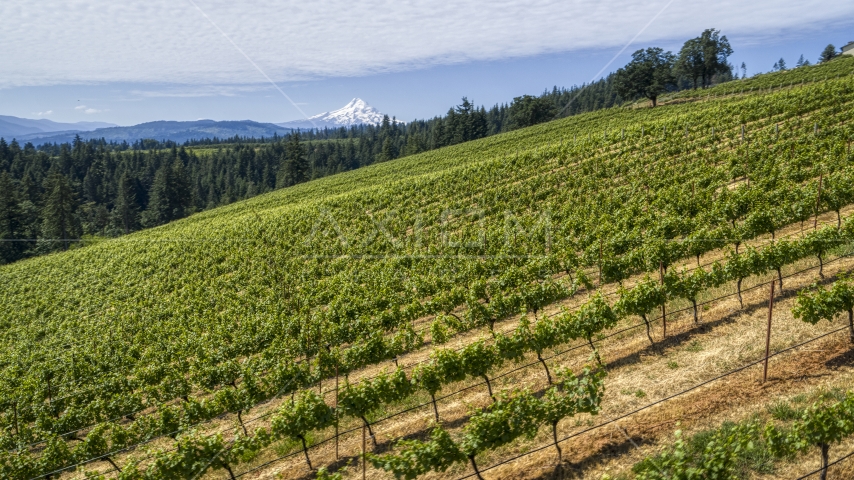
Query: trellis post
[768, 333]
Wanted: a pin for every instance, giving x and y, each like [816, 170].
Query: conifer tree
[59, 220]
[828, 54]
[126, 211]
[180, 193]
[159, 210]
[295, 168]
[5, 157]
[170, 195]
[387, 151]
[11, 221]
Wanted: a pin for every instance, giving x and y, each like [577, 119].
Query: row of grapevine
[511, 416]
[815, 305]
[819, 427]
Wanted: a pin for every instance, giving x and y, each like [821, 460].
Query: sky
[274, 61]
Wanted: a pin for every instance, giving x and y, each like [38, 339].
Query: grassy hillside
[264, 297]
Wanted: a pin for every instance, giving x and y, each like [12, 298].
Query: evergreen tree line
[829, 53]
[49, 202]
[461, 123]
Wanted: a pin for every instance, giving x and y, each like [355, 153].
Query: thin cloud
[198, 91]
[149, 42]
[80, 107]
[90, 111]
[43, 114]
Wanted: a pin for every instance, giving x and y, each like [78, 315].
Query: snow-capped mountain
[357, 112]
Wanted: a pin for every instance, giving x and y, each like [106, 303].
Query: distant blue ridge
[160, 130]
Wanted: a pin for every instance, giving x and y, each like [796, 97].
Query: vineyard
[563, 300]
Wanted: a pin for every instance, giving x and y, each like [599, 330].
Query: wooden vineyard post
[364, 456]
[15, 409]
[600, 262]
[663, 310]
[768, 333]
[818, 201]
